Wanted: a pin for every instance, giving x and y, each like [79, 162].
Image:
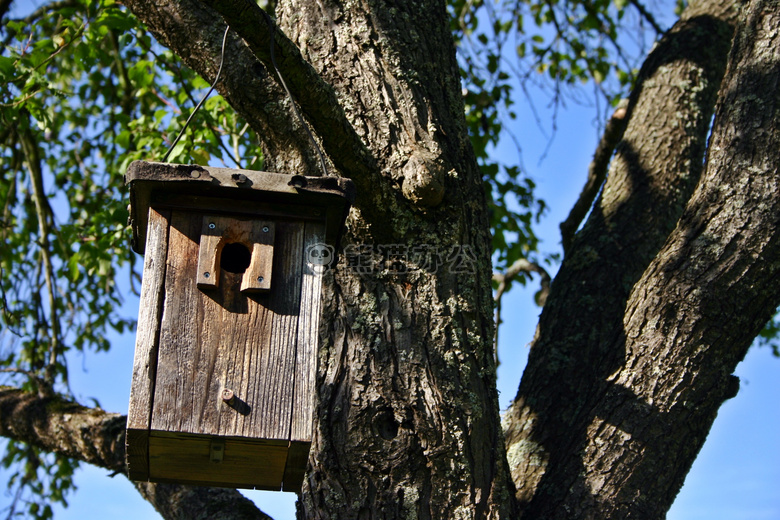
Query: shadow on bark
[568, 396]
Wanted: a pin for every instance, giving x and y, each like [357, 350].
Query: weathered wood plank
[217, 339]
[208, 256]
[304, 397]
[147, 335]
[274, 372]
[257, 277]
[243, 328]
[149, 316]
[179, 351]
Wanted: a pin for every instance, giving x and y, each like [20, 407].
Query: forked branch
[316, 97]
[503, 280]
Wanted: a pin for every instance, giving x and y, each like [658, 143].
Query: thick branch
[581, 339]
[98, 438]
[597, 172]
[54, 424]
[692, 317]
[177, 502]
[316, 98]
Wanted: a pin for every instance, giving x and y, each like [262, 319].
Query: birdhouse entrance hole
[235, 258]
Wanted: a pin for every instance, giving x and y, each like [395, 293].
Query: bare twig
[597, 172]
[43, 210]
[504, 280]
[647, 16]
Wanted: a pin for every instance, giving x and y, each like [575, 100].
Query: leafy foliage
[508, 47]
[84, 90]
[770, 336]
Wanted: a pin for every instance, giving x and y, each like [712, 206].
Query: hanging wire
[272, 26]
[213, 85]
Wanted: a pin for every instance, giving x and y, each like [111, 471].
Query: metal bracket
[217, 451]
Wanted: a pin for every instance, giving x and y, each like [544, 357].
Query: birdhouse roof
[234, 191]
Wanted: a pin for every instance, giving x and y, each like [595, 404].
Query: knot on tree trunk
[423, 176]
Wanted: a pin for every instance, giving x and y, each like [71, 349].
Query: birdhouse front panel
[225, 366]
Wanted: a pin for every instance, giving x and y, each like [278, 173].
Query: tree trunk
[408, 420]
[649, 315]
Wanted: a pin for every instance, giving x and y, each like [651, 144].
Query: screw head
[212, 225]
[260, 279]
[228, 396]
[206, 274]
[265, 229]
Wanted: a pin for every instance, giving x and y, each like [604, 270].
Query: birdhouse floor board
[297, 458]
[187, 459]
[137, 442]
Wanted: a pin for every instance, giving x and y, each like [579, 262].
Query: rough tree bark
[657, 300]
[649, 316]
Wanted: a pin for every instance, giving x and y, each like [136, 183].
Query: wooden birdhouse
[226, 348]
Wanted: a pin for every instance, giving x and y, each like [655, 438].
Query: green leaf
[73, 267]
[178, 151]
[7, 67]
[200, 156]
[123, 139]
